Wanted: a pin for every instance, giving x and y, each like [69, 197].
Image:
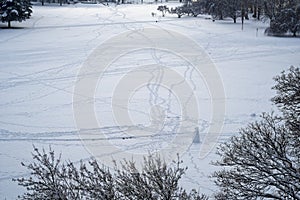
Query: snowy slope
[41, 60]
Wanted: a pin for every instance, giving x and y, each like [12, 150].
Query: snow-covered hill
[41, 62]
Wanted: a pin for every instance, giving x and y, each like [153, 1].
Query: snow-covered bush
[53, 179]
[263, 161]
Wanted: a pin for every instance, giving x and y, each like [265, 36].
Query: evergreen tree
[14, 10]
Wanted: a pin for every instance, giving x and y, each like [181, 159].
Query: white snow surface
[4, 14]
[39, 63]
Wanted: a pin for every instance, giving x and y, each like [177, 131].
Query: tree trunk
[243, 14]
[255, 12]
[258, 13]
[234, 19]
[9, 25]
[42, 2]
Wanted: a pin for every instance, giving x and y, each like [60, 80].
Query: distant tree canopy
[263, 162]
[14, 10]
[284, 15]
[60, 2]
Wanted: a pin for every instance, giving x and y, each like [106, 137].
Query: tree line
[283, 15]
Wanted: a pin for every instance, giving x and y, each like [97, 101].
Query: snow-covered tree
[155, 181]
[226, 8]
[274, 7]
[286, 21]
[234, 9]
[284, 16]
[163, 9]
[53, 179]
[263, 161]
[287, 100]
[256, 7]
[216, 9]
[14, 10]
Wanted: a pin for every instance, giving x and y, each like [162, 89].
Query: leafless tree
[53, 179]
[263, 161]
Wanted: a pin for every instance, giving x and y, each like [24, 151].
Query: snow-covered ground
[40, 65]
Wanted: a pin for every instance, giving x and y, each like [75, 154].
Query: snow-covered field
[41, 62]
